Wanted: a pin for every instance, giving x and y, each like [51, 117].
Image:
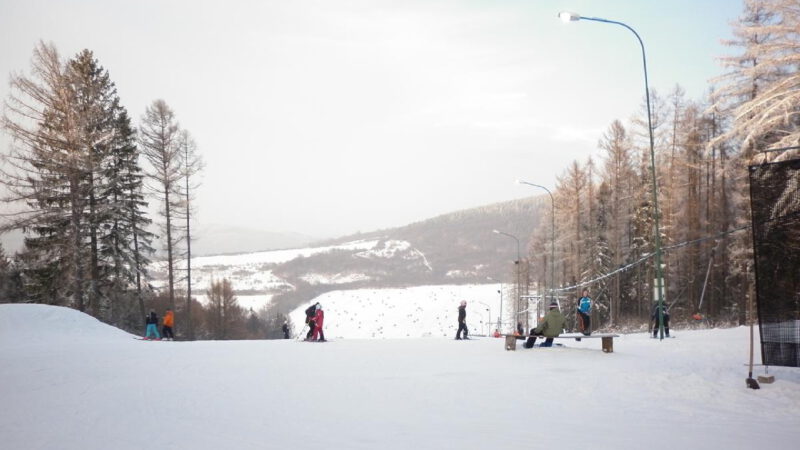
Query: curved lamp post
[552, 237]
[659, 282]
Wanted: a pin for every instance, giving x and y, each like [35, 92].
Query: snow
[248, 271]
[68, 382]
[336, 278]
[276, 256]
[421, 311]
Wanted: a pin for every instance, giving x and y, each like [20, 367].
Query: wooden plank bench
[607, 340]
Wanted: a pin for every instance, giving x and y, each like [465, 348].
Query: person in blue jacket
[151, 321]
[584, 311]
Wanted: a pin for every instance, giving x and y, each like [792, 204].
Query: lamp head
[569, 16]
[496, 231]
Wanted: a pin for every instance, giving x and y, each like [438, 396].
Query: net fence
[775, 203]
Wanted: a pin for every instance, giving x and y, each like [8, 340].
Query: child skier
[169, 321]
[151, 320]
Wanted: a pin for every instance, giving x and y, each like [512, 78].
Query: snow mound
[33, 322]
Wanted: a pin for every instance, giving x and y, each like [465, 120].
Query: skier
[319, 317]
[554, 323]
[462, 320]
[656, 310]
[285, 329]
[311, 311]
[169, 321]
[584, 309]
[151, 320]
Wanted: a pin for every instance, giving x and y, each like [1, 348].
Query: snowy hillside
[253, 272]
[454, 248]
[70, 383]
[422, 311]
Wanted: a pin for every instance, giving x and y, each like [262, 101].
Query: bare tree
[159, 136]
[192, 164]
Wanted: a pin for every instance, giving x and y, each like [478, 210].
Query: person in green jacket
[554, 322]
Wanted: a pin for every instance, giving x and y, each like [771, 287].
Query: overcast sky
[330, 117]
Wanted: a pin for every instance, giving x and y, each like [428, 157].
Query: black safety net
[775, 203]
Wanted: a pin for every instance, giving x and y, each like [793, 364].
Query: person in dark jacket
[656, 309]
[285, 329]
[319, 318]
[311, 312]
[554, 322]
[462, 320]
[151, 321]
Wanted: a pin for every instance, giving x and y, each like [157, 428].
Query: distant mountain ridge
[453, 248]
[450, 249]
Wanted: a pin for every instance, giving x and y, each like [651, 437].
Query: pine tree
[126, 243]
[68, 167]
[96, 102]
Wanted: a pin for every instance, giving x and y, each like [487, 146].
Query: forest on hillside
[604, 238]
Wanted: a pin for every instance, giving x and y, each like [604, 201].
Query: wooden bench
[607, 340]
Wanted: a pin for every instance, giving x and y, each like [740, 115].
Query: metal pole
[552, 237]
[500, 316]
[517, 263]
[659, 275]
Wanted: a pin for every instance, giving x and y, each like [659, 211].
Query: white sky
[329, 117]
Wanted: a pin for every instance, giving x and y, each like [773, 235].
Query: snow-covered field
[69, 382]
[422, 311]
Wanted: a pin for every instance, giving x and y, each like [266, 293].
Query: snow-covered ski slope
[69, 382]
[421, 311]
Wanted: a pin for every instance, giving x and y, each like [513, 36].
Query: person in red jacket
[319, 317]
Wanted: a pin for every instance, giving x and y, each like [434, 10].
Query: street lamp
[659, 282]
[552, 237]
[517, 262]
